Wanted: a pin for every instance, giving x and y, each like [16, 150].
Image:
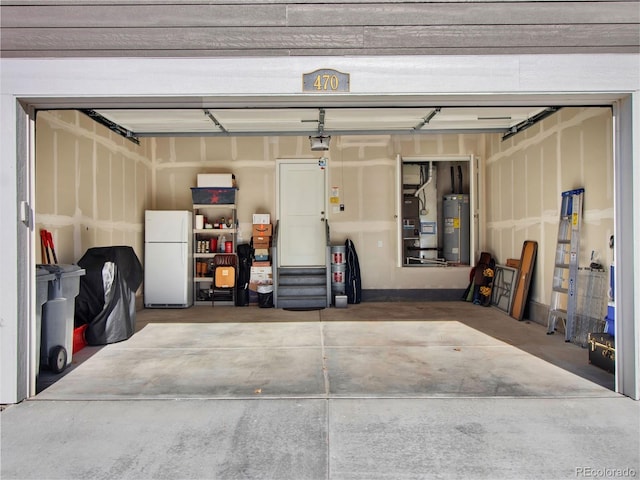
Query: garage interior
[93, 185]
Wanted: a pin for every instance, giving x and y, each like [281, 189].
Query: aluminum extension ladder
[564, 296]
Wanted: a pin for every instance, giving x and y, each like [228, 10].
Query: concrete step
[302, 302]
[295, 271]
[302, 279]
[299, 290]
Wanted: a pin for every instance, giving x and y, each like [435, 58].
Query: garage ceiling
[312, 121]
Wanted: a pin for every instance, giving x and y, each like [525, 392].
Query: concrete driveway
[397, 391]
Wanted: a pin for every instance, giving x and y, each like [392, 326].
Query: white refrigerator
[168, 265]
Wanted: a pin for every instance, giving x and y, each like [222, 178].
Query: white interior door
[301, 213]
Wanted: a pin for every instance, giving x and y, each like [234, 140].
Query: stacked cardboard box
[261, 271]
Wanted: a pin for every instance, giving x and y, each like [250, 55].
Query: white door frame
[565, 79]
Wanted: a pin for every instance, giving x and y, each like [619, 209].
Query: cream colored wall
[362, 167]
[526, 175]
[92, 186]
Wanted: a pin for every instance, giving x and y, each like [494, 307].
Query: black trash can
[265, 296]
[245, 252]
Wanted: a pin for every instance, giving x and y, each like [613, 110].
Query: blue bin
[610, 320]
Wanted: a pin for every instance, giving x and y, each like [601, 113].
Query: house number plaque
[325, 80]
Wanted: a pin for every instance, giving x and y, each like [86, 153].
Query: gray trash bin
[43, 277]
[56, 343]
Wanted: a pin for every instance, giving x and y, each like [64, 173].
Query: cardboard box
[262, 230]
[261, 254]
[261, 242]
[261, 264]
[260, 276]
[223, 180]
[261, 218]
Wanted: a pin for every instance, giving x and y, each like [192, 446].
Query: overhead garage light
[320, 142]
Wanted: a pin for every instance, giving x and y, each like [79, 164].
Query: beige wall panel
[86, 179]
[292, 147]
[142, 191]
[173, 188]
[364, 169]
[378, 186]
[103, 183]
[598, 161]
[550, 193]
[256, 194]
[520, 185]
[493, 144]
[507, 246]
[117, 188]
[449, 144]
[420, 145]
[521, 235]
[45, 166]
[533, 130]
[472, 144]
[136, 241]
[103, 237]
[571, 165]
[64, 242]
[566, 115]
[349, 194]
[117, 237]
[492, 189]
[164, 150]
[87, 124]
[533, 181]
[506, 190]
[186, 150]
[565, 152]
[251, 148]
[129, 191]
[91, 204]
[66, 173]
[506, 145]
[88, 236]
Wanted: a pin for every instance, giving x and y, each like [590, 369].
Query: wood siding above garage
[72, 28]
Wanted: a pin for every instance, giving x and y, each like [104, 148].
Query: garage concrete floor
[376, 390]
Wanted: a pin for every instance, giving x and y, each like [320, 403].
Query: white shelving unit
[202, 253]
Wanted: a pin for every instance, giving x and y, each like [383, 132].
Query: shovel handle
[53, 250]
[44, 240]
